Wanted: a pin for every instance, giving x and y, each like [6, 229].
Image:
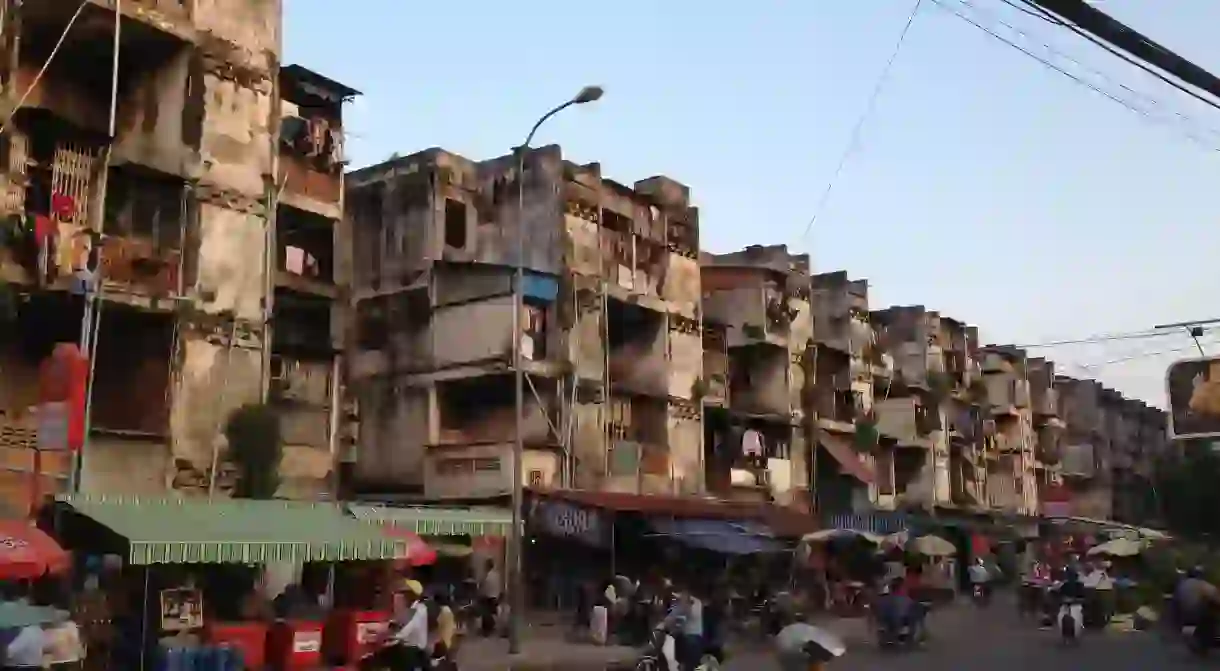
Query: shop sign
[10, 543]
[307, 642]
[369, 632]
[565, 520]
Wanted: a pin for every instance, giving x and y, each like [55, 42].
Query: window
[455, 223]
[535, 478]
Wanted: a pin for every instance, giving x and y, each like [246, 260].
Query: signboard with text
[569, 521]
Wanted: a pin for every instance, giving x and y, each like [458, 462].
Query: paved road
[967, 639]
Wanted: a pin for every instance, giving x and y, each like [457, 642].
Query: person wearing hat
[405, 647]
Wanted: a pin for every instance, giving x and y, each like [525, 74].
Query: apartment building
[929, 409]
[611, 333]
[1009, 431]
[1111, 446]
[1048, 428]
[850, 465]
[760, 346]
[161, 204]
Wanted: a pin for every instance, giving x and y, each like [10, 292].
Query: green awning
[235, 531]
[439, 521]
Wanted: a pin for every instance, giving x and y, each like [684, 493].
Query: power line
[1092, 340]
[1112, 97]
[854, 142]
[1141, 355]
[1051, 18]
[1054, 20]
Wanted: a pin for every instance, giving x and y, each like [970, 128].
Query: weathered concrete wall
[396, 425]
[153, 129]
[589, 445]
[230, 262]
[132, 467]
[686, 450]
[213, 381]
[455, 342]
[236, 145]
[253, 25]
[685, 363]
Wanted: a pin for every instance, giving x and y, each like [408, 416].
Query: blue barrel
[231, 659]
[190, 659]
[172, 658]
[207, 658]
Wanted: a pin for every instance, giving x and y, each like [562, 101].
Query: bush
[255, 448]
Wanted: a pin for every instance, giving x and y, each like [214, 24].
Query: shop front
[193, 577]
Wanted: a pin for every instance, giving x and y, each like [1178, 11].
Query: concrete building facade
[928, 407]
[757, 441]
[851, 467]
[611, 338]
[164, 202]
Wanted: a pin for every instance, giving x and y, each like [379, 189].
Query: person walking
[490, 590]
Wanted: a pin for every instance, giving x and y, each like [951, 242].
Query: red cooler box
[248, 637]
[349, 634]
[295, 645]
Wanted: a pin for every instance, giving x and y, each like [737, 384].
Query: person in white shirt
[27, 650]
[406, 644]
[690, 647]
[490, 591]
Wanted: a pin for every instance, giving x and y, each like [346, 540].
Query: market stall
[166, 545]
[450, 547]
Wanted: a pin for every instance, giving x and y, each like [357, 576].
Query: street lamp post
[587, 94]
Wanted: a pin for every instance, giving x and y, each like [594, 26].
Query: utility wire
[1051, 18]
[43, 70]
[854, 142]
[1141, 355]
[1092, 70]
[1079, 80]
[1091, 340]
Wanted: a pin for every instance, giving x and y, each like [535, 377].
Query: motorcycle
[1070, 620]
[1203, 636]
[912, 633]
[981, 595]
[661, 654]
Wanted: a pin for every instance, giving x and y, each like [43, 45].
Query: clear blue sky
[986, 186]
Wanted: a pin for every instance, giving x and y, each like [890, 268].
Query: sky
[984, 184]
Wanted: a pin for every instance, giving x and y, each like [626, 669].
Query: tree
[1187, 491]
[256, 448]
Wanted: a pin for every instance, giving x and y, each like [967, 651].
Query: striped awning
[439, 521]
[235, 531]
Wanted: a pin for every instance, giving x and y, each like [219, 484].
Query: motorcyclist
[1191, 596]
[980, 577]
[895, 609]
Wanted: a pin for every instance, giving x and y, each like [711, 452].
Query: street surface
[968, 639]
[964, 638]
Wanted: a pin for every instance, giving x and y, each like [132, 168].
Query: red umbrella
[27, 553]
[419, 553]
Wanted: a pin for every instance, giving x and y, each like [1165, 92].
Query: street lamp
[587, 94]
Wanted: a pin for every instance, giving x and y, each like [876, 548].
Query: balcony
[1049, 446]
[907, 420]
[759, 379]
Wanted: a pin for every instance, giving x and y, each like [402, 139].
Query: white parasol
[1119, 547]
[835, 534]
[932, 546]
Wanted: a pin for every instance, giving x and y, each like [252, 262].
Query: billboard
[1193, 386]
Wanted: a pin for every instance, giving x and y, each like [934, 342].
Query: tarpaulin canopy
[27, 553]
[721, 536]
[185, 531]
